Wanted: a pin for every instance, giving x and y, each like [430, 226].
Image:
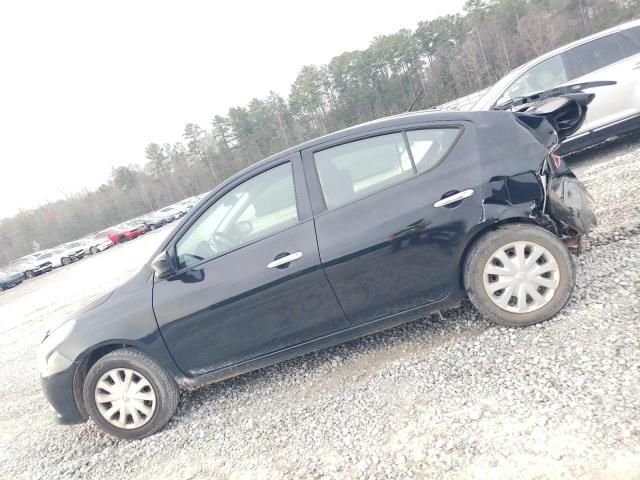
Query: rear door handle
[284, 261]
[456, 197]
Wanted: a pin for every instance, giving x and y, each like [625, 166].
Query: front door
[249, 279]
[387, 233]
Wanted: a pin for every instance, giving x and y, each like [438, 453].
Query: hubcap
[521, 277]
[125, 398]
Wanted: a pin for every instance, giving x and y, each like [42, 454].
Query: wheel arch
[86, 361]
[481, 231]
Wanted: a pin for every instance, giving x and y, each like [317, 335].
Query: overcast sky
[85, 86]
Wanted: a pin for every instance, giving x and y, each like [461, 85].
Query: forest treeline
[449, 57]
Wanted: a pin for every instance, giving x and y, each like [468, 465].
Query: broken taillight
[556, 160]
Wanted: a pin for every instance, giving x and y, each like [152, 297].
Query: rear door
[249, 281]
[387, 234]
[612, 57]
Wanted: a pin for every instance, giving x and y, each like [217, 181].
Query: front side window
[261, 206]
[595, 55]
[356, 169]
[545, 75]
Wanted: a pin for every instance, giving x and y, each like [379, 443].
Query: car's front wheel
[65, 261]
[93, 250]
[29, 274]
[519, 275]
[129, 395]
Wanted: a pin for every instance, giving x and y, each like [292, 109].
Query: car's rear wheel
[152, 227]
[129, 395]
[519, 275]
[122, 239]
[65, 261]
[93, 250]
[29, 274]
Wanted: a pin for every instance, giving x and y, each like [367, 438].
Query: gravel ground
[450, 397]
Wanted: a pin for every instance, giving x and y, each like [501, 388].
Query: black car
[337, 238]
[10, 278]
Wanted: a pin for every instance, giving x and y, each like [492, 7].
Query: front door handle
[282, 262]
[456, 197]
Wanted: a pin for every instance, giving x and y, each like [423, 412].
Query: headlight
[50, 361]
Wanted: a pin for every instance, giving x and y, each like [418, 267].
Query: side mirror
[162, 265]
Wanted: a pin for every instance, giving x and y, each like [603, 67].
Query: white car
[91, 245]
[59, 256]
[169, 214]
[612, 54]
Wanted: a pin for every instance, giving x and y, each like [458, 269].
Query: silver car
[612, 54]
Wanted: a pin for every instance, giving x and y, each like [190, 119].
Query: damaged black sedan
[337, 238]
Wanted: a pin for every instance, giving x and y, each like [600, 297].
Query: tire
[152, 227]
[159, 384]
[122, 239]
[93, 250]
[65, 261]
[524, 300]
[29, 274]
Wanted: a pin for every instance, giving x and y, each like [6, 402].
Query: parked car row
[44, 261]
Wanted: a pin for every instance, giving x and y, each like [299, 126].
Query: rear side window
[595, 55]
[354, 170]
[631, 40]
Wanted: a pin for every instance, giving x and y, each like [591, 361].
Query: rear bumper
[58, 389]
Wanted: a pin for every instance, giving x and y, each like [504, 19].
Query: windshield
[488, 100]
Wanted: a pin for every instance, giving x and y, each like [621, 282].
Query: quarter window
[429, 146]
[261, 206]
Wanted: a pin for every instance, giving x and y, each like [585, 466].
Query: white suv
[612, 54]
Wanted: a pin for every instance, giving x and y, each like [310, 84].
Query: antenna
[418, 97]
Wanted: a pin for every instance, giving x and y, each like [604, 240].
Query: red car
[122, 233]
